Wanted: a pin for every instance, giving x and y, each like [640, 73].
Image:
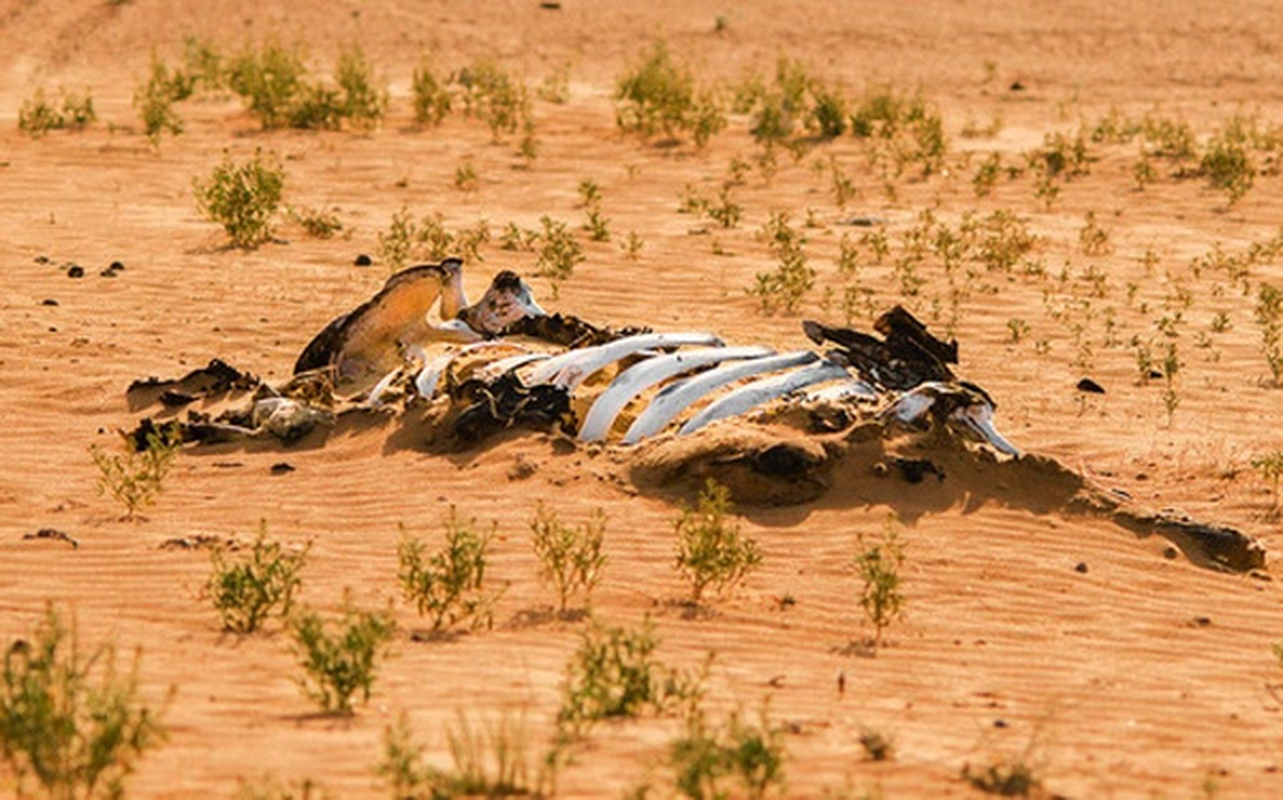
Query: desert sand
[1141, 675]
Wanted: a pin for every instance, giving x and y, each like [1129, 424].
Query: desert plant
[490, 761]
[1270, 465]
[155, 100]
[614, 674]
[1170, 366]
[243, 197]
[657, 96]
[270, 80]
[597, 224]
[363, 103]
[570, 559]
[785, 287]
[203, 66]
[246, 590]
[449, 586]
[711, 552]
[559, 252]
[1228, 164]
[134, 478]
[494, 97]
[1093, 239]
[704, 757]
[432, 98]
[74, 723]
[340, 662]
[397, 243]
[317, 222]
[465, 177]
[725, 212]
[1269, 316]
[632, 246]
[878, 565]
[38, 115]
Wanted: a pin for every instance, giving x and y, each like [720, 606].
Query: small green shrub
[318, 223]
[488, 762]
[705, 758]
[72, 722]
[1269, 317]
[570, 559]
[879, 567]
[657, 96]
[270, 79]
[1227, 162]
[134, 478]
[339, 663]
[38, 115]
[155, 100]
[364, 104]
[559, 252]
[711, 552]
[494, 97]
[787, 285]
[243, 197]
[432, 97]
[246, 590]
[449, 585]
[614, 674]
[1270, 465]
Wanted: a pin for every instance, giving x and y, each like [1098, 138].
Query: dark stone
[1081, 567]
[75, 271]
[282, 467]
[49, 301]
[1088, 385]
[363, 260]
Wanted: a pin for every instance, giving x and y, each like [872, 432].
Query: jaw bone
[677, 397]
[636, 379]
[758, 392]
[573, 368]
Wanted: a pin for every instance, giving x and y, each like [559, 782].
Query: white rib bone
[638, 378]
[758, 392]
[573, 368]
[677, 397]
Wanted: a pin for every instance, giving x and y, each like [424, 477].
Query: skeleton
[676, 405]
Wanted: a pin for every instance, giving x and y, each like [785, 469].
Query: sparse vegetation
[492, 761]
[38, 115]
[155, 100]
[448, 586]
[1269, 317]
[135, 477]
[784, 288]
[72, 721]
[341, 658]
[432, 98]
[1270, 465]
[559, 252]
[711, 552]
[707, 759]
[243, 197]
[614, 674]
[658, 96]
[570, 559]
[879, 564]
[246, 590]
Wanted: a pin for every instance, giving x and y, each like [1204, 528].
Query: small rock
[363, 260]
[75, 271]
[49, 301]
[1000, 723]
[1016, 86]
[282, 467]
[1081, 567]
[1170, 553]
[1090, 386]
[1200, 622]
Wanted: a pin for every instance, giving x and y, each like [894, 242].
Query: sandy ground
[1143, 676]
